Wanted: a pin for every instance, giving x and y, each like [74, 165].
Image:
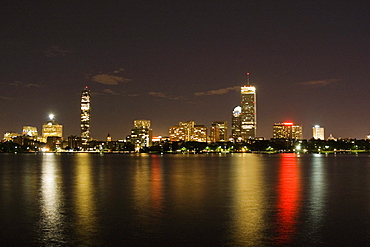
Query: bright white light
[51, 116]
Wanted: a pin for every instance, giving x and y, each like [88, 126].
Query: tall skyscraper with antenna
[248, 117]
[85, 116]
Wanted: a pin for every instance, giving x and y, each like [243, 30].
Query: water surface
[234, 199]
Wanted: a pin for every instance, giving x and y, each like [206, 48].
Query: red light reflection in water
[288, 198]
[156, 184]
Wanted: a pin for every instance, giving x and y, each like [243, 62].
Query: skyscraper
[85, 115]
[318, 132]
[247, 115]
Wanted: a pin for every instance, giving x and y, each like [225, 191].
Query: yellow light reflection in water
[85, 202]
[148, 189]
[249, 204]
[141, 180]
[156, 184]
[52, 221]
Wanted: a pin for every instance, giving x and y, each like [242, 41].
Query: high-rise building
[85, 116]
[287, 131]
[141, 134]
[218, 132]
[236, 124]
[51, 128]
[246, 128]
[248, 115]
[30, 132]
[318, 132]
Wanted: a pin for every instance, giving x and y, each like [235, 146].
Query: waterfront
[217, 199]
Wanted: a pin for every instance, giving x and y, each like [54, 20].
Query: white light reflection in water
[52, 221]
[249, 205]
[85, 202]
[317, 194]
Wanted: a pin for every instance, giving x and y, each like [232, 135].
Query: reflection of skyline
[147, 190]
[52, 220]
[204, 200]
[156, 184]
[85, 203]
[317, 194]
[249, 204]
[288, 204]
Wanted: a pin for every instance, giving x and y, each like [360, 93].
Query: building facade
[85, 116]
[248, 113]
[287, 131]
[51, 128]
[236, 124]
[10, 135]
[188, 131]
[30, 132]
[244, 119]
[218, 132]
[141, 134]
[318, 132]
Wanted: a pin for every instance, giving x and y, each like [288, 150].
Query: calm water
[203, 200]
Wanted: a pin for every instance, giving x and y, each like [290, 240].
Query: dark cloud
[218, 91]
[165, 96]
[319, 82]
[109, 91]
[56, 51]
[6, 98]
[109, 79]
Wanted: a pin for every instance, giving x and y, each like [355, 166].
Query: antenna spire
[248, 78]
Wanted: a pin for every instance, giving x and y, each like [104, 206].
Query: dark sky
[171, 61]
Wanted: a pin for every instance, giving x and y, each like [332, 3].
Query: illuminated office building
[244, 120]
[318, 132]
[287, 131]
[200, 133]
[9, 135]
[30, 132]
[236, 124]
[141, 134]
[218, 132]
[51, 128]
[85, 116]
[188, 131]
[141, 123]
[248, 113]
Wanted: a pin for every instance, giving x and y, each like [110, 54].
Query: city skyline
[180, 61]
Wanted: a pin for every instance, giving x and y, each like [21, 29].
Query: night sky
[171, 61]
